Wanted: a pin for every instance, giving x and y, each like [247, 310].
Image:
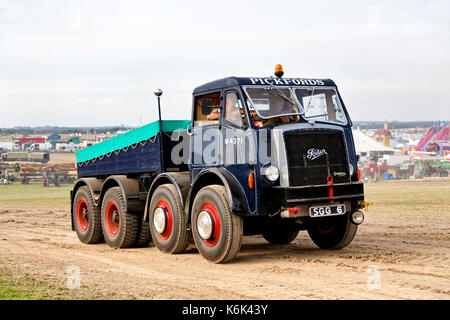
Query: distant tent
[53, 137]
[74, 140]
[365, 144]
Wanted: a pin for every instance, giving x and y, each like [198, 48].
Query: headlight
[357, 217]
[272, 173]
[352, 169]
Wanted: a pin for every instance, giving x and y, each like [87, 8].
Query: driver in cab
[232, 110]
[286, 116]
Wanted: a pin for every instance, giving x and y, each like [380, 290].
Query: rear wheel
[144, 236]
[332, 232]
[167, 221]
[86, 217]
[120, 228]
[280, 234]
[217, 232]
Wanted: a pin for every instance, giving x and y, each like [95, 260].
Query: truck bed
[136, 151]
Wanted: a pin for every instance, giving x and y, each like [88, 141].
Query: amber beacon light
[279, 70]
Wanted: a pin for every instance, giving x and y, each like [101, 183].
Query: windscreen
[271, 102]
[321, 104]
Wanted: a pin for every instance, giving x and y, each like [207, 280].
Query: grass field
[18, 287]
[26, 287]
[27, 194]
[411, 195]
[416, 194]
[11, 289]
[22, 287]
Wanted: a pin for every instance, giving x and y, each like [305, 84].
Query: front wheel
[217, 232]
[332, 232]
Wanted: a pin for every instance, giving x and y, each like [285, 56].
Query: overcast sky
[92, 63]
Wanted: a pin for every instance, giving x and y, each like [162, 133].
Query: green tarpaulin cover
[131, 137]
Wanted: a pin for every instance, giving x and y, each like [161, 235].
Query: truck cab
[270, 156]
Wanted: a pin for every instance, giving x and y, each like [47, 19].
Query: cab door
[205, 133]
[238, 154]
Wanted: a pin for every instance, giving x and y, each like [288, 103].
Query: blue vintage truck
[261, 155]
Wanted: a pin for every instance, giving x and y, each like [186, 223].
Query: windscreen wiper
[310, 98]
[281, 94]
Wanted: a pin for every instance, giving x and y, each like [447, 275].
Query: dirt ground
[401, 251]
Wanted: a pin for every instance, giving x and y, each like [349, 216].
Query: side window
[207, 109]
[339, 113]
[234, 112]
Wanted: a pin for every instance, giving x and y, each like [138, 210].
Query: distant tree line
[101, 130]
[50, 129]
[393, 124]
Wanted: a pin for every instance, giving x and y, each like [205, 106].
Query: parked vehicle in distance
[26, 156]
[43, 147]
[68, 147]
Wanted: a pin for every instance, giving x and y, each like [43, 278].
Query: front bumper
[294, 196]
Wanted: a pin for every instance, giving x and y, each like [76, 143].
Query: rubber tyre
[88, 230]
[277, 234]
[144, 235]
[227, 244]
[332, 232]
[175, 238]
[124, 233]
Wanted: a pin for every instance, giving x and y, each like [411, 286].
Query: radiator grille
[313, 154]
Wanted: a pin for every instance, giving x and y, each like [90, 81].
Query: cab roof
[242, 81]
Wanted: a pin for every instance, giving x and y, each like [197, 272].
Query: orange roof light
[279, 70]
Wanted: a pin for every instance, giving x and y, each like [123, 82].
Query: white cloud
[389, 59]
[108, 101]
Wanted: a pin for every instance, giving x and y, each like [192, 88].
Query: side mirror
[206, 106]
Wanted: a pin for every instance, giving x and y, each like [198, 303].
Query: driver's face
[231, 103]
[233, 109]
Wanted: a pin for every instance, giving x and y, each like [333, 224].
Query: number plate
[322, 211]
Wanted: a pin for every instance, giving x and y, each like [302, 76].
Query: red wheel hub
[325, 229]
[112, 218]
[169, 219]
[216, 224]
[82, 215]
